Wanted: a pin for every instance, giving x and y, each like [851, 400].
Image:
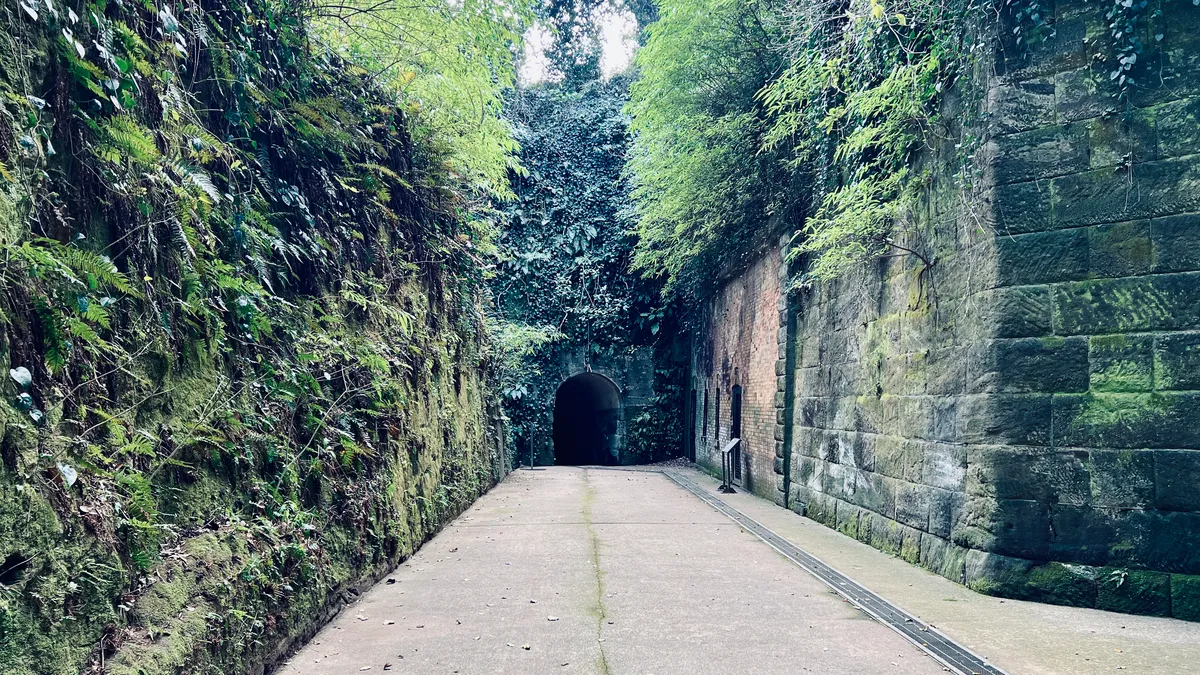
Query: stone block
[912, 505]
[847, 519]
[1122, 478]
[1081, 94]
[1134, 592]
[943, 558]
[1030, 365]
[1018, 419]
[944, 465]
[1021, 106]
[1185, 597]
[1177, 480]
[1060, 46]
[896, 457]
[945, 508]
[1042, 257]
[1040, 153]
[887, 535]
[1009, 577]
[814, 412]
[1147, 303]
[1177, 361]
[1121, 363]
[1158, 540]
[1153, 189]
[1024, 207]
[876, 493]
[838, 481]
[1176, 243]
[1119, 140]
[1121, 249]
[1080, 534]
[1024, 311]
[1127, 420]
[1029, 473]
[1021, 528]
[1178, 125]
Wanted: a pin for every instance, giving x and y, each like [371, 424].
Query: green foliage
[702, 184]
[863, 89]
[562, 284]
[449, 64]
[233, 260]
[754, 117]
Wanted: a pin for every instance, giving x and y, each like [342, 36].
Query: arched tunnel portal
[587, 419]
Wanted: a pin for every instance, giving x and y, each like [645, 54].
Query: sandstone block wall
[1024, 416]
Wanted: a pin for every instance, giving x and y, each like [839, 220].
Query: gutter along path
[578, 570]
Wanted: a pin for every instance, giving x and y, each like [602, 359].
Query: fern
[122, 137]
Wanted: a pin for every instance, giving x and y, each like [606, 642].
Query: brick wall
[739, 347]
[1024, 416]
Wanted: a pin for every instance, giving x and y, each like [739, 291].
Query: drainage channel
[951, 654]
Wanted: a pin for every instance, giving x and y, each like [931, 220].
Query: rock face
[1022, 416]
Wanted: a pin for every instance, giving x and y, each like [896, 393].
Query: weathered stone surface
[1041, 153]
[1177, 361]
[1185, 597]
[1026, 311]
[1019, 419]
[1022, 106]
[1120, 250]
[1147, 190]
[1029, 365]
[1024, 207]
[1177, 480]
[1121, 363]
[1122, 478]
[1146, 303]
[1134, 592]
[1041, 257]
[1112, 420]
[1080, 534]
[1176, 243]
[1178, 126]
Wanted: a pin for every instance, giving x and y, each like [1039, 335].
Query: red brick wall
[739, 346]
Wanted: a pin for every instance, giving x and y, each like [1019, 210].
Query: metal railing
[727, 465]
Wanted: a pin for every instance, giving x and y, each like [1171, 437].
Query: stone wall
[1021, 416]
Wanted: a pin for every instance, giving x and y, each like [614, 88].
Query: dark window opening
[587, 409]
[704, 429]
[717, 420]
[735, 413]
[691, 428]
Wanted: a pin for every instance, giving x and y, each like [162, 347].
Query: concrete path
[568, 570]
[1019, 637]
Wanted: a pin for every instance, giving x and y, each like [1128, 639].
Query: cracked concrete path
[569, 570]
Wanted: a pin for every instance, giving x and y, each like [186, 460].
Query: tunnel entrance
[587, 410]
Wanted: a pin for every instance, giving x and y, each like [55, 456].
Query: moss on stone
[1134, 592]
[1185, 597]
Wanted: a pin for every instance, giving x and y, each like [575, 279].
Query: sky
[618, 32]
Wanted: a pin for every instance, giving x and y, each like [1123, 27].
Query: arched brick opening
[587, 420]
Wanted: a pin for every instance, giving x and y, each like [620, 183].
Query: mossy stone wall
[1022, 416]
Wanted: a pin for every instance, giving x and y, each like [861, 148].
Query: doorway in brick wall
[735, 431]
